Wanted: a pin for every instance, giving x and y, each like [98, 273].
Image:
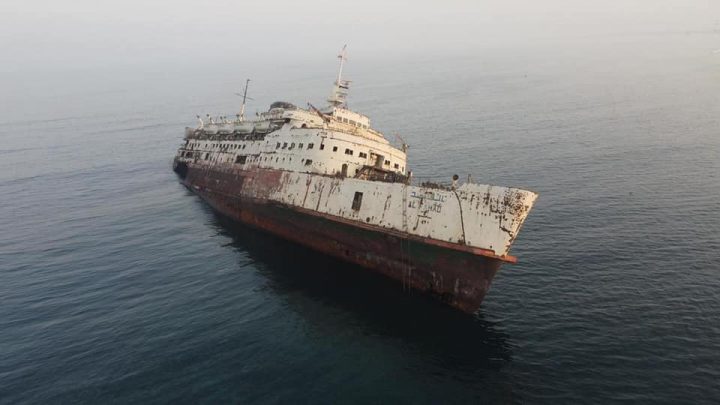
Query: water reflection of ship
[326, 291]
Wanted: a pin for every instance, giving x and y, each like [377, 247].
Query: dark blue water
[117, 285]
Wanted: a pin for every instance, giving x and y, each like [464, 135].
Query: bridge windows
[308, 162]
[348, 152]
[241, 159]
[310, 145]
[334, 148]
[322, 146]
[300, 146]
[362, 154]
[284, 145]
[277, 146]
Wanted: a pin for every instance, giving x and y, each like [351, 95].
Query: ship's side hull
[458, 277]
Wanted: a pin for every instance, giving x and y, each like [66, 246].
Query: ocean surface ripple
[118, 285]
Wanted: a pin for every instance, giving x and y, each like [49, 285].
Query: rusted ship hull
[457, 275]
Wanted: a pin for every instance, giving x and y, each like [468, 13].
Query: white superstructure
[331, 162]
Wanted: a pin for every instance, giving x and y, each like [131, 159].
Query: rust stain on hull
[458, 275]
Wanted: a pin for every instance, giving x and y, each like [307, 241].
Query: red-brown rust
[459, 275]
[271, 178]
[429, 241]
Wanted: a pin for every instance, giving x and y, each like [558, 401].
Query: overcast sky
[38, 34]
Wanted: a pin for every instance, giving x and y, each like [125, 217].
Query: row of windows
[350, 152]
[352, 122]
[292, 146]
[243, 159]
[224, 147]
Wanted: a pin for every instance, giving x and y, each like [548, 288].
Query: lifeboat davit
[243, 128]
[211, 129]
[226, 129]
[262, 127]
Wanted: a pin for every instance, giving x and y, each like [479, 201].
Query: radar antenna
[241, 116]
[337, 98]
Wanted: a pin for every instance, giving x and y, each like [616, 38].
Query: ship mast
[241, 116]
[339, 93]
[343, 57]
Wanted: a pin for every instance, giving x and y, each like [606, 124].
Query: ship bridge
[334, 141]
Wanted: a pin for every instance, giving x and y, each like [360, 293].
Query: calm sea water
[117, 285]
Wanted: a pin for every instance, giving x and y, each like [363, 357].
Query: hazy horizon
[47, 36]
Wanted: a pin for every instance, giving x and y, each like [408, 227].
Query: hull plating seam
[459, 278]
[429, 241]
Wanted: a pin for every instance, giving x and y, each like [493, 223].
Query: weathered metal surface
[483, 217]
[327, 180]
[459, 278]
[315, 211]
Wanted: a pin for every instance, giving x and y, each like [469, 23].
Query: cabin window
[300, 146]
[345, 120]
[348, 152]
[308, 162]
[397, 166]
[387, 163]
[277, 146]
[362, 154]
[292, 145]
[310, 145]
[322, 146]
[241, 159]
[284, 145]
[334, 148]
[353, 123]
[357, 201]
